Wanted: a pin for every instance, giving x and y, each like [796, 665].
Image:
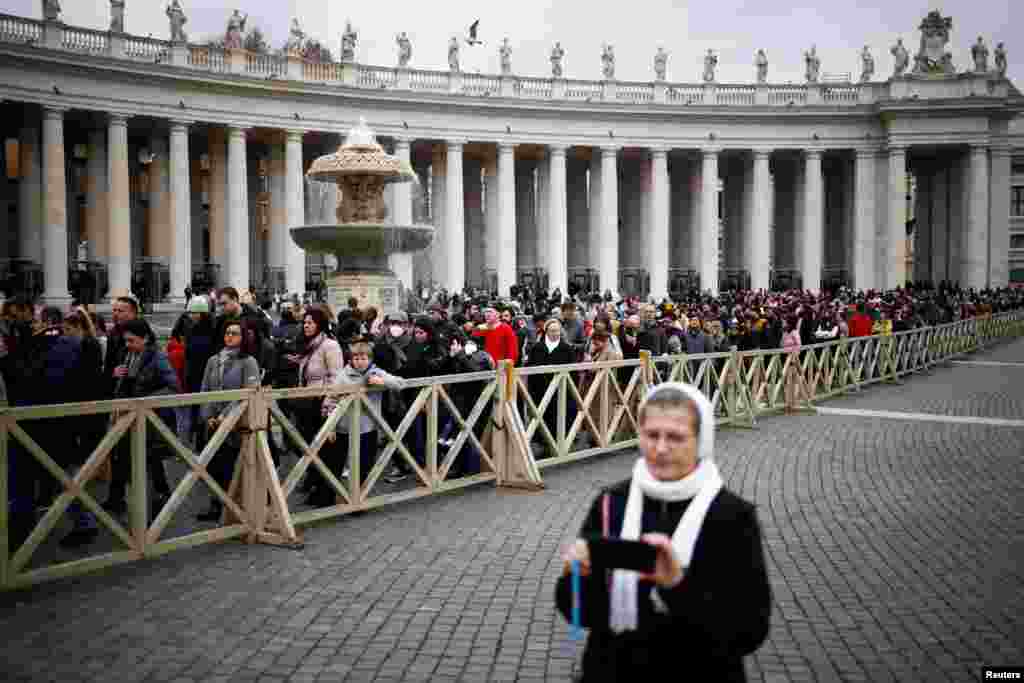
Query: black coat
[717, 615]
[563, 354]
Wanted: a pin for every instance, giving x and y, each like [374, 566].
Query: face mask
[396, 330]
[470, 348]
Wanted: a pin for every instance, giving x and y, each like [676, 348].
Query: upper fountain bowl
[361, 155]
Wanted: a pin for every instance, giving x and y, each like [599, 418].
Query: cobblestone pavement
[896, 552]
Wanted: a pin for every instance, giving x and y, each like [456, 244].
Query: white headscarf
[701, 485]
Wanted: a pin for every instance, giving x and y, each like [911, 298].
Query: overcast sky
[735, 29]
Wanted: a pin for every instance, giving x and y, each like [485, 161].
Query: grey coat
[238, 373]
[350, 377]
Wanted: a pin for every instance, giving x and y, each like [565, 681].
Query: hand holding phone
[616, 553]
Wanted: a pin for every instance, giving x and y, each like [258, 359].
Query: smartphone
[615, 553]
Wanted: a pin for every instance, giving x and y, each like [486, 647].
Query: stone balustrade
[835, 92]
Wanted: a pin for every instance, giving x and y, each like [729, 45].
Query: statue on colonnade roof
[177, 18]
[979, 53]
[505, 53]
[710, 62]
[761, 62]
[348, 43]
[901, 56]
[51, 10]
[296, 38]
[608, 62]
[932, 57]
[404, 49]
[1000, 57]
[453, 54]
[557, 52]
[236, 27]
[117, 16]
[867, 65]
[660, 64]
[813, 64]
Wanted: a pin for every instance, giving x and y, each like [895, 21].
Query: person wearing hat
[706, 602]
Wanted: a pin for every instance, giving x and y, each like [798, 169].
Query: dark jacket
[154, 376]
[562, 354]
[199, 347]
[717, 615]
[52, 371]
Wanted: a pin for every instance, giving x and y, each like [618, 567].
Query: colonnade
[551, 207]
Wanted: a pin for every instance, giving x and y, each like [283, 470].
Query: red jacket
[176, 355]
[501, 342]
[860, 325]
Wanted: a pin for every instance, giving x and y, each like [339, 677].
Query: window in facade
[1016, 241]
[1017, 200]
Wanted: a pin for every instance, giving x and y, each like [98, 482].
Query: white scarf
[701, 485]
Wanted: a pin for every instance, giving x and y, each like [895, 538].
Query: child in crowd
[361, 372]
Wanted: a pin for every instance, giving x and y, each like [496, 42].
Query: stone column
[543, 219]
[180, 215]
[237, 275]
[438, 211]
[976, 250]
[526, 215]
[401, 214]
[895, 267]
[472, 193]
[158, 228]
[454, 274]
[30, 196]
[558, 275]
[507, 218]
[761, 222]
[813, 214]
[694, 188]
[95, 229]
[492, 218]
[218, 188]
[55, 230]
[594, 215]
[295, 209]
[658, 237]
[608, 255]
[277, 246]
[999, 215]
[578, 244]
[864, 221]
[709, 221]
[119, 230]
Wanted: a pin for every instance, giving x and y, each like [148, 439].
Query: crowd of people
[226, 341]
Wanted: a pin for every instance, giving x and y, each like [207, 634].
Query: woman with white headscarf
[707, 603]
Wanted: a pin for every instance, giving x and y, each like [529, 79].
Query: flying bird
[472, 39]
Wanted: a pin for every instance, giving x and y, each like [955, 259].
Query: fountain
[361, 240]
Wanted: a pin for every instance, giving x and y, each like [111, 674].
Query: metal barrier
[455, 431]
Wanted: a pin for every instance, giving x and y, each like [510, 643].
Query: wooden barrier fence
[490, 418]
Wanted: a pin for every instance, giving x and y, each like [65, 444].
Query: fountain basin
[362, 240]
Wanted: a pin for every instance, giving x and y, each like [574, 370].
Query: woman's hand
[332, 437]
[375, 380]
[668, 571]
[578, 550]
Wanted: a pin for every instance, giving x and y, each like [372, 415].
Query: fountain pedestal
[381, 291]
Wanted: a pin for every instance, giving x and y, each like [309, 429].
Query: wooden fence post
[510, 448]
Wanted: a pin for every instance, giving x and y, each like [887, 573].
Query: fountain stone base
[380, 289]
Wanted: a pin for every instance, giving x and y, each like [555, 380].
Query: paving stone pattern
[896, 553]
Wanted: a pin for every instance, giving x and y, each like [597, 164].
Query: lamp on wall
[12, 157]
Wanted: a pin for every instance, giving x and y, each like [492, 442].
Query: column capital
[52, 112]
[893, 148]
[812, 153]
[401, 141]
[117, 119]
[238, 131]
[507, 147]
[978, 147]
[609, 150]
[557, 148]
[180, 125]
[658, 150]
[865, 152]
[455, 144]
[1001, 150]
[762, 154]
[292, 135]
[707, 152]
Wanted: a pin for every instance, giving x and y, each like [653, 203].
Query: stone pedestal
[380, 290]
